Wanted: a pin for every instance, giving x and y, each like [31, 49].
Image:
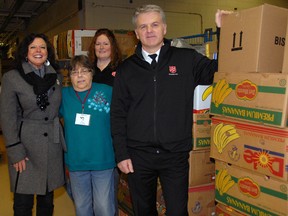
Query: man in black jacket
[151, 113]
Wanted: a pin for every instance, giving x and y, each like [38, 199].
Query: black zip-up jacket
[152, 109]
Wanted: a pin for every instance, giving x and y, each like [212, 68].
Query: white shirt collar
[147, 58]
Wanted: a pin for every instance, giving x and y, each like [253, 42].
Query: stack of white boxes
[249, 134]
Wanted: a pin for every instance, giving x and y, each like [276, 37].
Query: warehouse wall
[61, 16]
[184, 17]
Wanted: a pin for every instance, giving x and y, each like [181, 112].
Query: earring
[47, 63]
[26, 59]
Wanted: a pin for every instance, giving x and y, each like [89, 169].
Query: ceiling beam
[14, 10]
[23, 13]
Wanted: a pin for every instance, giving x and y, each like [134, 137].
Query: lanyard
[84, 101]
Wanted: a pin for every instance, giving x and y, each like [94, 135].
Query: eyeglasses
[81, 71]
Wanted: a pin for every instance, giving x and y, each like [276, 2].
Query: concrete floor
[63, 204]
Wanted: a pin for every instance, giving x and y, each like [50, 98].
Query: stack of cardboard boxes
[202, 168]
[249, 134]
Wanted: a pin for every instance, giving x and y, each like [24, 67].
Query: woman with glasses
[90, 156]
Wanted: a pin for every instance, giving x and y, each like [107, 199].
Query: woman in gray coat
[29, 103]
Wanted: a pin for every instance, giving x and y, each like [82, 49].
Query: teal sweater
[88, 147]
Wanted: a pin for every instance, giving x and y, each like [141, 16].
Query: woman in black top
[105, 54]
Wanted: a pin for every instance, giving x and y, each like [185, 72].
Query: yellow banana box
[202, 99]
[259, 148]
[253, 97]
[250, 192]
[201, 131]
[224, 210]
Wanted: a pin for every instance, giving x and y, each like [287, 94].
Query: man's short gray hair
[148, 8]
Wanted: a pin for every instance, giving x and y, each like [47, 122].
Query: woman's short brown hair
[82, 60]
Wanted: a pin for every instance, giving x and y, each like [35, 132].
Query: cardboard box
[249, 192]
[78, 41]
[253, 40]
[285, 60]
[127, 42]
[122, 213]
[55, 45]
[160, 202]
[125, 202]
[202, 98]
[201, 200]
[255, 97]
[224, 210]
[124, 198]
[61, 45]
[202, 168]
[255, 147]
[201, 131]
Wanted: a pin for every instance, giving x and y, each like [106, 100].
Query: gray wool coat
[30, 132]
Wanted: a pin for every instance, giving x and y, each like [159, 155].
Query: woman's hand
[21, 165]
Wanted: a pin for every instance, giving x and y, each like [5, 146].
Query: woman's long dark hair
[22, 50]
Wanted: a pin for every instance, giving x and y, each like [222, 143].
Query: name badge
[82, 119]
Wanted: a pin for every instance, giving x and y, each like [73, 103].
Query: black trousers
[172, 169]
[23, 204]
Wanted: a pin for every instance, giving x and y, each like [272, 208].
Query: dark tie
[153, 57]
